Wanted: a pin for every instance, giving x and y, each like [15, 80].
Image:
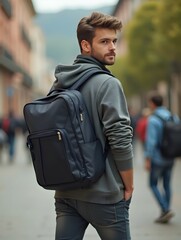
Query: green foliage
[169, 34]
[145, 62]
[153, 37]
[123, 71]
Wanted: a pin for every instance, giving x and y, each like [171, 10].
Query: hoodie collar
[66, 75]
[82, 59]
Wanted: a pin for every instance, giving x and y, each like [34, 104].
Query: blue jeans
[111, 221]
[162, 193]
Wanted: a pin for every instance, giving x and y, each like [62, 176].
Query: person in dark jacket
[9, 125]
[141, 126]
[105, 204]
[3, 140]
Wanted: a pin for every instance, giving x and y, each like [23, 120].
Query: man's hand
[128, 194]
[127, 177]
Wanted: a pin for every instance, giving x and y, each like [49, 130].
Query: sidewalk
[27, 210]
[144, 208]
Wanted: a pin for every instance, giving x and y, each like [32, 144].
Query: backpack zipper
[81, 117]
[59, 135]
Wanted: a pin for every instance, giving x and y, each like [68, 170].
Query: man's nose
[112, 46]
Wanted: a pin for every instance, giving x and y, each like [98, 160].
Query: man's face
[103, 46]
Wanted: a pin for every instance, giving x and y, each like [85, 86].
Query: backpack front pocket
[52, 157]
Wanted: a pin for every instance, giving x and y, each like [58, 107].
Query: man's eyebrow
[106, 38]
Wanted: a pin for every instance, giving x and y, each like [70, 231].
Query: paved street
[27, 210]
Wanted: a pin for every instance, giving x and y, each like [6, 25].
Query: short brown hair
[87, 25]
[156, 99]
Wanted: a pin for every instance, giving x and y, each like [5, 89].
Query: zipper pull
[81, 117]
[59, 136]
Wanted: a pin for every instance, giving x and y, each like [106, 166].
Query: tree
[148, 67]
[169, 33]
[168, 45]
[141, 65]
[154, 51]
[123, 71]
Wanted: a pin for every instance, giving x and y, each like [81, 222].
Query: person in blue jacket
[160, 169]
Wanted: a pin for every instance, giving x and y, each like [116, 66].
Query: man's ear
[86, 47]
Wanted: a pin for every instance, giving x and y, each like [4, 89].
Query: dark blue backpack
[170, 144]
[65, 151]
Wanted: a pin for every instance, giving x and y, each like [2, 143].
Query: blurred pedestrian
[160, 169]
[141, 126]
[3, 140]
[9, 126]
[105, 204]
[24, 131]
[134, 117]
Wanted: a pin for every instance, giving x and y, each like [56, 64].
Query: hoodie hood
[67, 75]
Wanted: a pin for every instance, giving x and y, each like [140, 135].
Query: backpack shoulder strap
[86, 76]
[171, 118]
[158, 116]
[82, 80]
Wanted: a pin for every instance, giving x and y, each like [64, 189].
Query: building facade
[15, 54]
[23, 62]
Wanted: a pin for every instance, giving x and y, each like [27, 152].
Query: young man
[105, 204]
[160, 169]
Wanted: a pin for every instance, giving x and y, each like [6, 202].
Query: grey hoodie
[105, 101]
